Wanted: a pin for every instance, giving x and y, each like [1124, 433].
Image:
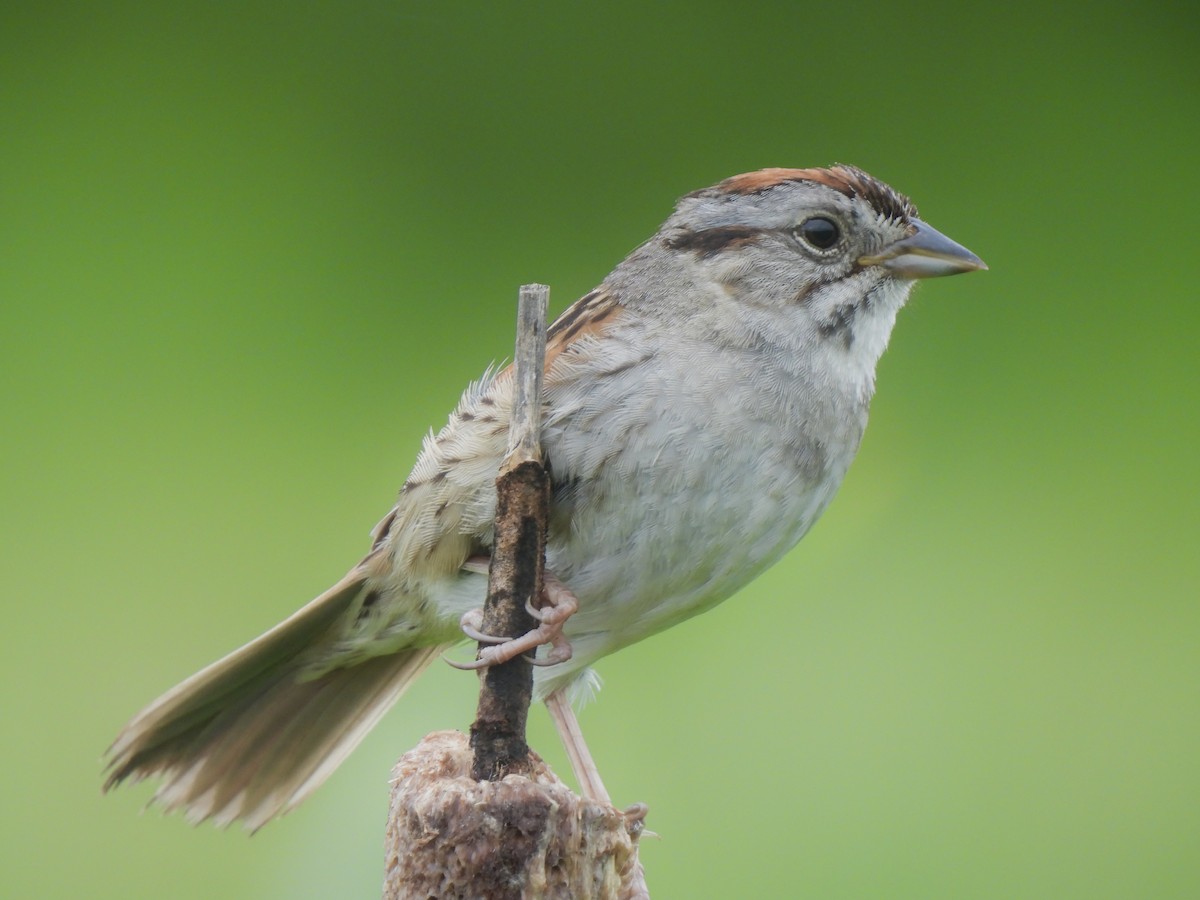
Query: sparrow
[701, 408]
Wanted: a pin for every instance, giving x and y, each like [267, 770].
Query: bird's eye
[819, 232]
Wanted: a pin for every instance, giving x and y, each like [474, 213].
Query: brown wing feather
[445, 510]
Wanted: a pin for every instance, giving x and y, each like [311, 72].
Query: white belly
[694, 505]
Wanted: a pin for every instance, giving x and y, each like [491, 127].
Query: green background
[250, 253]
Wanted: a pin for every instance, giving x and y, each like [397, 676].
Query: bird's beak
[926, 253]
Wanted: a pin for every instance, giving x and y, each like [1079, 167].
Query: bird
[701, 408]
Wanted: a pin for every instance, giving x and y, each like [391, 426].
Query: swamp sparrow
[702, 406]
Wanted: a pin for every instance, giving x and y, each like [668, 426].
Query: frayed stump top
[526, 836]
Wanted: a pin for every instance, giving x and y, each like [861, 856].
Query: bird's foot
[558, 605]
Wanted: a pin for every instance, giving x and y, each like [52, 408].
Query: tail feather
[249, 737]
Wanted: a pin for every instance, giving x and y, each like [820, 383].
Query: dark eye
[819, 232]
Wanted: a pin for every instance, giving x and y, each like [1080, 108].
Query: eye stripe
[711, 241]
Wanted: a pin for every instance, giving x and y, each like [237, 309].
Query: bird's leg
[592, 788]
[558, 605]
[582, 763]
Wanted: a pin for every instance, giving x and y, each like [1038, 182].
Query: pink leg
[590, 785]
[582, 763]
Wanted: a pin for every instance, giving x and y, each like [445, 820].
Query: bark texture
[527, 836]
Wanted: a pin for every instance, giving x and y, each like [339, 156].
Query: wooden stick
[529, 366]
[457, 827]
[515, 575]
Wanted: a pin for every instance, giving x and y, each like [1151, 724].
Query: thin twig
[515, 575]
[529, 364]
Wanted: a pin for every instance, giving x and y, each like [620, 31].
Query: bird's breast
[677, 485]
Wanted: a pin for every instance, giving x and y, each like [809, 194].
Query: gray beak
[926, 253]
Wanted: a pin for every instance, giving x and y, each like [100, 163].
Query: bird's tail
[250, 736]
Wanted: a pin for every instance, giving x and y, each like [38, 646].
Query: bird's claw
[471, 625]
[560, 647]
[635, 820]
[472, 666]
[553, 613]
[559, 605]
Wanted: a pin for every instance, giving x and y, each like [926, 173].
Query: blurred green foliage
[251, 252]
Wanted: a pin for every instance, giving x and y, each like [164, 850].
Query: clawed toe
[635, 815]
[471, 625]
[509, 648]
[560, 648]
[554, 614]
[635, 820]
[472, 666]
[559, 605]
